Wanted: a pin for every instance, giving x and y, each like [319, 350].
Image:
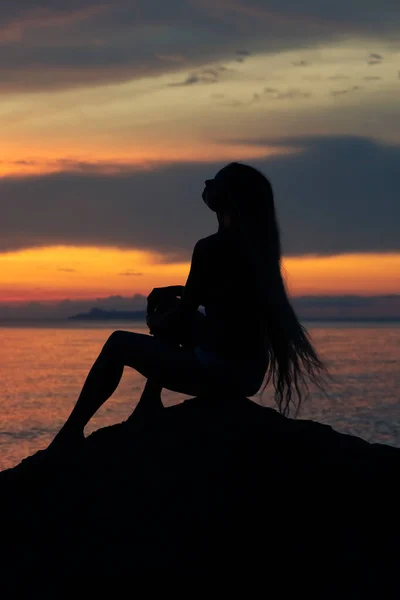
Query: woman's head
[246, 195]
[238, 187]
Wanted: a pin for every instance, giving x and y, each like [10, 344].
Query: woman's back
[233, 327]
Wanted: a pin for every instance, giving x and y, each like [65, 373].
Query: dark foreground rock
[225, 493]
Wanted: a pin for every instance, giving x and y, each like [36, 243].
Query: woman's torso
[233, 324]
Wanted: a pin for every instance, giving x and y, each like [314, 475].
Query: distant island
[98, 314]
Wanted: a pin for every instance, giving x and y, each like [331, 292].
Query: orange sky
[68, 272]
[157, 117]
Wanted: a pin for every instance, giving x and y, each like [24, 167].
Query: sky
[113, 114]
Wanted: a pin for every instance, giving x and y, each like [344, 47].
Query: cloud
[354, 88]
[292, 95]
[336, 194]
[375, 59]
[130, 274]
[339, 194]
[275, 94]
[306, 307]
[339, 76]
[67, 307]
[267, 93]
[312, 77]
[42, 18]
[50, 44]
[73, 166]
[352, 306]
[174, 58]
[67, 270]
[208, 75]
[242, 55]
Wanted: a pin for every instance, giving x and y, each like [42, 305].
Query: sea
[43, 366]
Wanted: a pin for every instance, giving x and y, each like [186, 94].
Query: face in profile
[215, 188]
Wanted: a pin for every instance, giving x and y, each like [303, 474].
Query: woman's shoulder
[207, 243]
[215, 239]
[216, 247]
[209, 239]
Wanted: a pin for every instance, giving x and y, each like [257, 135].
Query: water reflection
[43, 369]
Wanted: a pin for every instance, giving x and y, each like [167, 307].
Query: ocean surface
[44, 365]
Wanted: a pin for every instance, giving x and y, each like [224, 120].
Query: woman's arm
[193, 290]
[177, 290]
[161, 295]
[181, 315]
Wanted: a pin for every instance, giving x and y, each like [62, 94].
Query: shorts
[244, 377]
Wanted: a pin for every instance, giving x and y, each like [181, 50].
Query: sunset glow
[71, 272]
[68, 272]
[112, 117]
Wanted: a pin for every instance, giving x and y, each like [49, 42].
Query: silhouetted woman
[249, 329]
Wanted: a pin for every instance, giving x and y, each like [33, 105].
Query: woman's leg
[164, 364]
[150, 401]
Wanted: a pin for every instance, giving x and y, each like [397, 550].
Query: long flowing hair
[292, 359]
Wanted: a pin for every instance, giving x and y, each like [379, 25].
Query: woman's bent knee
[115, 341]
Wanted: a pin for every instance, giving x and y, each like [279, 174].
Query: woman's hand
[165, 324]
[162, 295]
[162, 321]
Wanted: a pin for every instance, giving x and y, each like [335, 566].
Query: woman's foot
[66, 440]
[149, 403]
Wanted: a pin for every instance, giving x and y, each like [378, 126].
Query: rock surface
[222, 491]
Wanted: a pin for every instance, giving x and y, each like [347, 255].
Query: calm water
[43, 368]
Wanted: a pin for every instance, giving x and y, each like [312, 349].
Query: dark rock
[225, 492]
